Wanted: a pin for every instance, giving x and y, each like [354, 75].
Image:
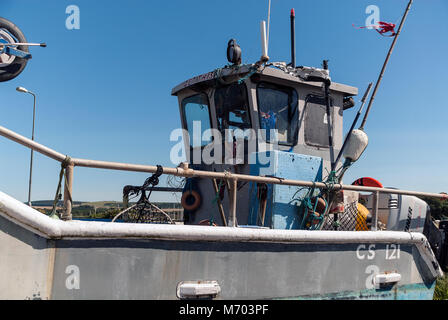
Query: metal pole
[17, 44]
[32, 152]
[219, 203]
[363, 101]
[293, 38]
[11, 135]
[375, 199]
[329, 120]
[232, 198]
[385, 64]
[268, 26]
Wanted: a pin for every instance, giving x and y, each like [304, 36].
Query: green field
[97, 209]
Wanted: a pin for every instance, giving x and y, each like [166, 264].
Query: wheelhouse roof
[266, 73]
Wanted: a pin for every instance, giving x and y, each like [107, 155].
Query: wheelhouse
[233, 115]
[267, 107]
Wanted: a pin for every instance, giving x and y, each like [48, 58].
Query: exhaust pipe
[293, 38]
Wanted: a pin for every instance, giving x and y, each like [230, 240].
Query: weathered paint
[25, 260]
[281, 211]
[268, 72]
[144, 269]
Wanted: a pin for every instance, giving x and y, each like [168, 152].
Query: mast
[384, 65]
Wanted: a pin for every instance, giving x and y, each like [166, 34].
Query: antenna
[269, 19]
[264, 45]
[265, 38]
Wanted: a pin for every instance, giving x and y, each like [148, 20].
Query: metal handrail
[184, 171]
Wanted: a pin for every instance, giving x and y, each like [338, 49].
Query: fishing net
[146, 212]
[143, 211]
[349, 220]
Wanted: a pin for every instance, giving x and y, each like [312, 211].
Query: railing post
[232, 197]
[219, 203]
[68, 187]
[375, 199]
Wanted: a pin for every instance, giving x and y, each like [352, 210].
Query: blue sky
[104, 90]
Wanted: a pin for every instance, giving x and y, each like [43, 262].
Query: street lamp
[21, 89]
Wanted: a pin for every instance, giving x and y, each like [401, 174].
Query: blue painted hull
[419, 291]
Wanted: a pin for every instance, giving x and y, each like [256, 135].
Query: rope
[307, 206]
[252, 71]
[218, 74]
[148, 185]
[220, 79]
[64, 164]
[331, 181]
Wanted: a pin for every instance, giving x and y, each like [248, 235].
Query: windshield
[232, 108]
[197, 118]
[277, 106]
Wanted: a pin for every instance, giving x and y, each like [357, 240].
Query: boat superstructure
[240, 103]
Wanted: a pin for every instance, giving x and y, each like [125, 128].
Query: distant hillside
[104, 209]
[49, 203]
[99, 204]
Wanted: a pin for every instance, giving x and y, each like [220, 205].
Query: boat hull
[129, 269]
[93, 260]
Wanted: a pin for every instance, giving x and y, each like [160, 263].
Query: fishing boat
[266, 214]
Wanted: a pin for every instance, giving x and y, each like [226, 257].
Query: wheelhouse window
[232, 108]
[316, 124]
[277, 108]
[197, 118]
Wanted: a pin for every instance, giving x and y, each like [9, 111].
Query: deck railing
[184, 171]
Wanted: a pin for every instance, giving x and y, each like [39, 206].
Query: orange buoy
[368, 182]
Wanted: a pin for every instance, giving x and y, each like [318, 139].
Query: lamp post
[21, 89]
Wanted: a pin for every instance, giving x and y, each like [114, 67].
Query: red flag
[383, 28]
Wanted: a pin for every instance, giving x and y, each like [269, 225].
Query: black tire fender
[18, 65]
